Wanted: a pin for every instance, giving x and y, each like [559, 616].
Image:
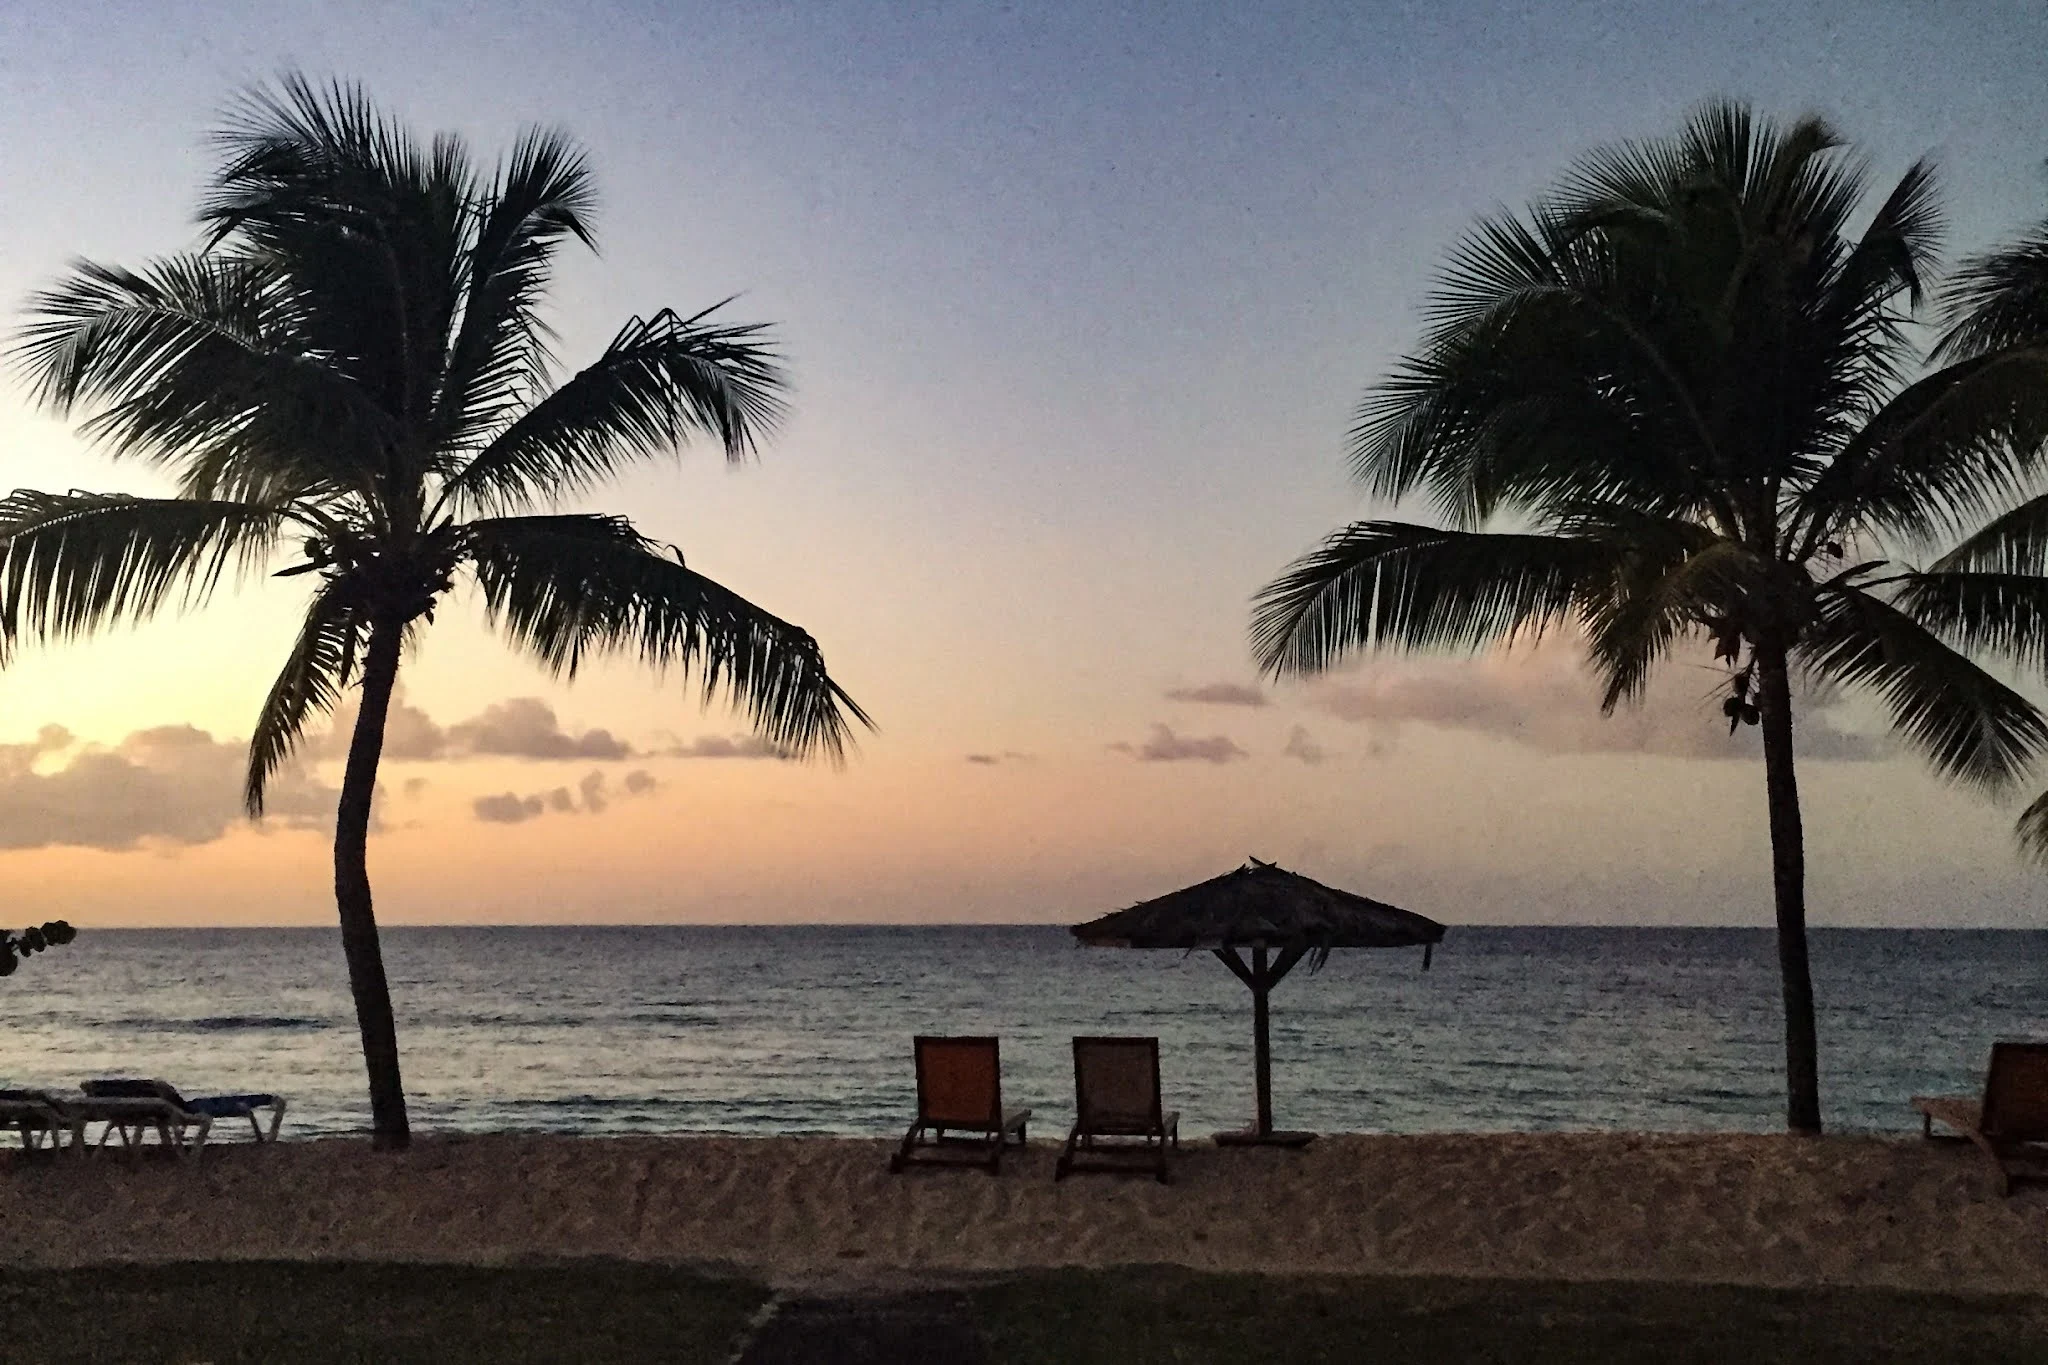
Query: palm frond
[308, 687]
[2002, 614]
[190, 365]
[661, 381]
[566, 587]
[1944, 450]
[2014, 542]
[2031, 829]
[1998, 300]
[1669, 577]
[1899, 249]
[1393, 584]
[371, 227]
[71, 563]
[541, 196]
[1971, 727]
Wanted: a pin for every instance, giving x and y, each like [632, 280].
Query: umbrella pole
[1262, 1048]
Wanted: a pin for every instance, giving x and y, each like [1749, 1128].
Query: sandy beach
[1733, 1209]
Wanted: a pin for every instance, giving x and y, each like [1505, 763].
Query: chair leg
[1066, 1162]
[2003, 1176]
[902, 1157]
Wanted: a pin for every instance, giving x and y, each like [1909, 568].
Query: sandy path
[1722, 1208]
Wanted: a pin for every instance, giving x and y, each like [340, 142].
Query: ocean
[807, 1029]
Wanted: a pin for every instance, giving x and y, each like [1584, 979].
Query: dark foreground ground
[618, 1311]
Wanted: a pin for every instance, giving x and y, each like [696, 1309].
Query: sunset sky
[1078, 306]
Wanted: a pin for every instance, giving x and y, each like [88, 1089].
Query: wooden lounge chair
[2010, 1124]
[1116, 1096]
[131, 1105]
[41, 1119]
[959, 1106]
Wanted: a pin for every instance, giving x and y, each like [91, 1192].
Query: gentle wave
[221, 1023]
[786, 1030]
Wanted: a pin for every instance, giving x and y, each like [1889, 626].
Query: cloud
[592, 796]
[172, 784]
[726, 746]
[1546, 699]
[410, 734]
[507, 808]
[991, 760]
[1164, 746]
[1219, 694]
[525, 727]
[1302, 745]
[521, 727]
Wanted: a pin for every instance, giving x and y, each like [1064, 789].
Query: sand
[1741, 1209]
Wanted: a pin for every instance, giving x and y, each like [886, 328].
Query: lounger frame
[41, 1121]
[179, 1122]
[953, 1129]
[2009, 1125]
[1102, 1128]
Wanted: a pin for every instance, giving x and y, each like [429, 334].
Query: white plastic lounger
[125, 1103]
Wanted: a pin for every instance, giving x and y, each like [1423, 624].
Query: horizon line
[1001, 924]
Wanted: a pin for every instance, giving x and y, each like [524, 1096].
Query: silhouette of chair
[1116, 1096]
[40, 1118]
[959, 1106]
[2010, 1124]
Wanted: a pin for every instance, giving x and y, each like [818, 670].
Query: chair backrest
[2016, 1092]
[1116, 1084]
[959, 1082]
[133, 1088]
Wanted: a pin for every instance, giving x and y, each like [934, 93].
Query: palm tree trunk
[1788, 878]
[352, 891]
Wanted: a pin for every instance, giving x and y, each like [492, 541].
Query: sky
[1078, 299]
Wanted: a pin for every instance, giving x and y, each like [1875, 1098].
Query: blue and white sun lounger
[126, 1103]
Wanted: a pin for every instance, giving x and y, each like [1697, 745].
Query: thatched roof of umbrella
[1267, 910]
[1261, 906]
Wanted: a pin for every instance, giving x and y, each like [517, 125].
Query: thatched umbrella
[1282, 917]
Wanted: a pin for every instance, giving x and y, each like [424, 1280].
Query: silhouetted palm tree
[1680, 379]
[357, 358]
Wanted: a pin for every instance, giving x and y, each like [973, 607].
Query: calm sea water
[807, 1030]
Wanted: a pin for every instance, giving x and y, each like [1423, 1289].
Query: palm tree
[1680, 381]
[356, 359]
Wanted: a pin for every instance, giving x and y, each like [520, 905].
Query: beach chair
[2010, 1124]
[959, 1106]
[41, 1120]
[130, 1106]
[1116, 1098]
